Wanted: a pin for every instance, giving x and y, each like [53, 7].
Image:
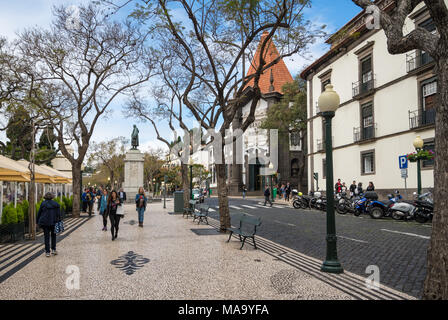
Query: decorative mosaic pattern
[130, 262]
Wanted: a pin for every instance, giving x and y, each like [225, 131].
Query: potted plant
[420, 155]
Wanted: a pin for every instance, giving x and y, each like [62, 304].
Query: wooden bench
[191, 209]
[202, 213]
[247, 228]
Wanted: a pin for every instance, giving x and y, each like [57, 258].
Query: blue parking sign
[403, 162]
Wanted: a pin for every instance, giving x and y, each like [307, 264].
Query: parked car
[198, 195]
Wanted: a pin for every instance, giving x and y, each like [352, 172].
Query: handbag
[59, 227]
[120, 211]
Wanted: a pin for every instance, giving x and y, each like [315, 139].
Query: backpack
[89, 197]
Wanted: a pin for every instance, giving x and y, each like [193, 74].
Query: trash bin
[274, 193]
[178, 202]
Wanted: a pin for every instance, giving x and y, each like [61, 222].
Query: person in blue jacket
[103, 208]
[84, 200]
[140, 203]
[48, 215]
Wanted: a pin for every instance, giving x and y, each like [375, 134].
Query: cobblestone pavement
[170, 258]
[398, 248]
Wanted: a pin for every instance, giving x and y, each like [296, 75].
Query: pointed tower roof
[273, 79]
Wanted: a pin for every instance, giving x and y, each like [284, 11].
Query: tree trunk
[224, 216]
[76, 184]
[185, 184]
[436, 282]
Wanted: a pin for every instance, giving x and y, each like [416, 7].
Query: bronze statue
[134, 138]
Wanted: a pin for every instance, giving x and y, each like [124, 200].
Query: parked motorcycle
[424, 205]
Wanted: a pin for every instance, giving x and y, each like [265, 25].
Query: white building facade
[386, 101]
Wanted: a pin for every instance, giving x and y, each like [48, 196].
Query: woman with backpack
[113, 203]
[140, 203]
[48, 215]
[103, 208]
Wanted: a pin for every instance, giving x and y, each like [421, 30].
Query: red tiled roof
[280, 72]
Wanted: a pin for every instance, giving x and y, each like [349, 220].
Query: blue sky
[19, 14]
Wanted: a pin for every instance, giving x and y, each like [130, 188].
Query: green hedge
[9, 214]
[68, 202]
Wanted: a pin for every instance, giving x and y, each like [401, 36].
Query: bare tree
[212, 41]
[168, 94]
[436, 45]
[110, 154]
[78, 70]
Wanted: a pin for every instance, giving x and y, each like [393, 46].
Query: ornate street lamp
[271, 170]
[328, 103]
[418, 145]
[190, 163]
[164, 192]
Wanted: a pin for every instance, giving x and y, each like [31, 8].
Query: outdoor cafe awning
[40, 175]
[59, 176]
[11, 171]
[18, 171]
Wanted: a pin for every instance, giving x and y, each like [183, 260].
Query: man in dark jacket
[122, 195]
[267, 196]
[49, 213]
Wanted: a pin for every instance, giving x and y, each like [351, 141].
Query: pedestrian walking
[84, 201]
[99, 194]
[122, 196]
[244, 191]
[287, 191]
[48, 215]
[370, 187]
[267, 195]
[113, 204]
[344, 187]
[90, 197]
[103, 208]
[140, 203]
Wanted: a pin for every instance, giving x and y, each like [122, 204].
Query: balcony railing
[417, 59]
[362, 87]
[361, 134]
[420, 118]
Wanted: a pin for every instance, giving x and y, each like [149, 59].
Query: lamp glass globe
[418, 143]
[329, 100]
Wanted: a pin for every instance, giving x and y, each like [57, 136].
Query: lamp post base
[331, 266]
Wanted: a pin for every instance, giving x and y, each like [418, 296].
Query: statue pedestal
[133, 173]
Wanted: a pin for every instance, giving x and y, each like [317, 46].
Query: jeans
[114, 223]
[90, 208]
[141, 212]
[104, 219]
[84, 206]
[267, 199]
[244, 194]
[49, 230]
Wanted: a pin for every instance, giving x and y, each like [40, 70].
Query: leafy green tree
[289, 117]
[19, 132]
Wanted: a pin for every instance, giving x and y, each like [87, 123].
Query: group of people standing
[109, 205]
[354, 189]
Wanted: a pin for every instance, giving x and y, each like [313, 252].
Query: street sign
[316, 176]
[404, 173]
[403, 162]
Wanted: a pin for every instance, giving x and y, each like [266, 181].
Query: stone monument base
[133, 173]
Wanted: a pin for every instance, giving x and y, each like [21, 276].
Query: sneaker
[47, 254]
[113, 238]
[54, 252]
